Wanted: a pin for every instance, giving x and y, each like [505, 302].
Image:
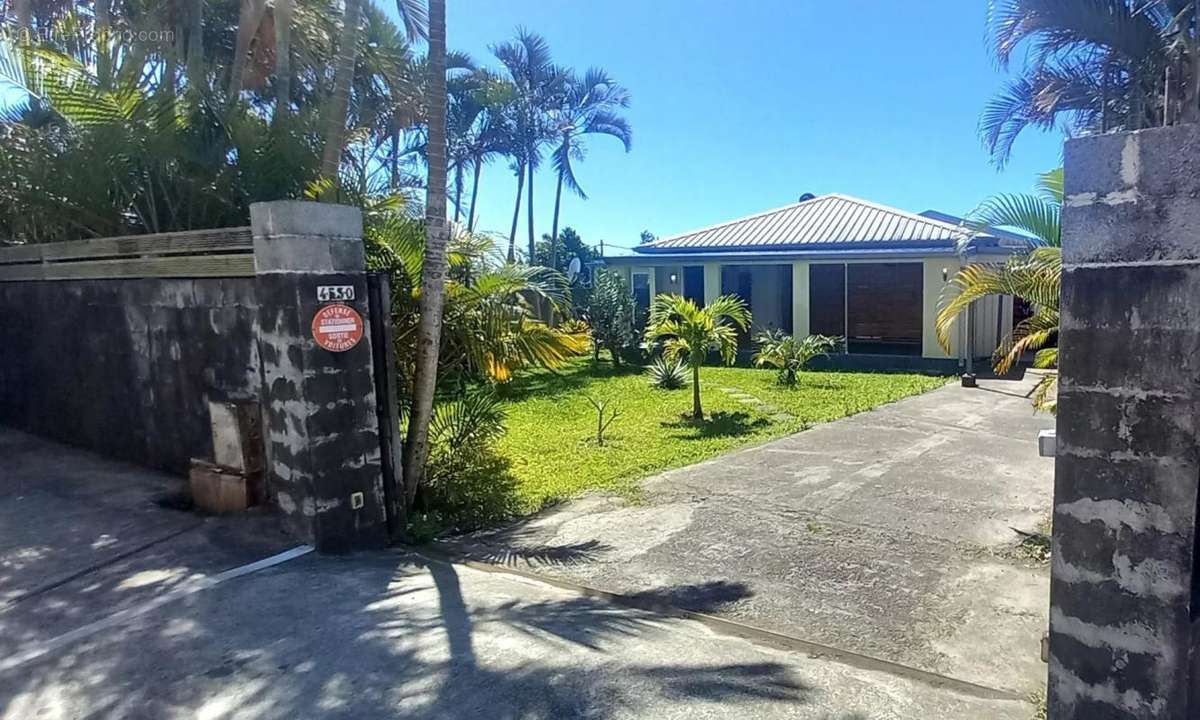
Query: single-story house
[836, 265]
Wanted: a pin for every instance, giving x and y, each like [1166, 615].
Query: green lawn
[551, 425]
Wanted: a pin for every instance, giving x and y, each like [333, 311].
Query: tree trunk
[458, 188]
[103, 43]
[195, 45]
[283, 61]
[529, 206]
[394, 181]
[474, 196]
[23, 10]
[250, 15]
[512, 234]
[433, 269]
[554, 226]
[697, 411]
[339, 101]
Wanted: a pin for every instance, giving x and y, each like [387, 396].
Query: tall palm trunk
[250, 15]
[102, 9]
[697, 411]
[283, 61]
[339, 101]
[433, 269]
[529, 206]
[23, 10]
[474, 195]
[395, 160]
[512, 233]
[195, 45]
[554, 226]
[458, 188]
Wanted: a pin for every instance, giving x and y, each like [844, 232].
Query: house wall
[984, 327]
[662, 280]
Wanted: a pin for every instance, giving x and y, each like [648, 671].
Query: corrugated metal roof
[824, 221]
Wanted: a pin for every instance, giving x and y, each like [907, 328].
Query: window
[641, 290]
[876, 306]
[693, 284]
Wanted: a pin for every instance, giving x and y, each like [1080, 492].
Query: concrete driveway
[888, 533]
[113, 606]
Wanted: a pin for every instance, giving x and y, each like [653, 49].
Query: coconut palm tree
[1098, 64]
[590, 107]
[689, 333]
[538, 85]
[1036, 278]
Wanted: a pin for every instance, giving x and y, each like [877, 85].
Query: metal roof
[821, 223]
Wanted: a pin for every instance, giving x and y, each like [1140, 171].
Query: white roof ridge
[897, 211]
[915, 217]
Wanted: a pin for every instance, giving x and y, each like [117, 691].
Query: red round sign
[337, 328]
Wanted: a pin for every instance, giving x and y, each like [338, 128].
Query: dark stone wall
[126, 367]
[321, 427]
[1127, 474]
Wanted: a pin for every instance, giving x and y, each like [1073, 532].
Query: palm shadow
[719, 424]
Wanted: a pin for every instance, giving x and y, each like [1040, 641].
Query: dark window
[827, 299]
[883, 305]
[641, 290]
[693, 284]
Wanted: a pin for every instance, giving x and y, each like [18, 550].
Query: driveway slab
[888, 533]
[391, 636]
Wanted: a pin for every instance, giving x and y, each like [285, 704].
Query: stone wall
[1127, 475]
[126, 367]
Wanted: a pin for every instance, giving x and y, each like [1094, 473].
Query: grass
[550, 438]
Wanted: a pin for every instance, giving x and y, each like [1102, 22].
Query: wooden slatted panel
[240, 265]
[206, 253]
[884, 302]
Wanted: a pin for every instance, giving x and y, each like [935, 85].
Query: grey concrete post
[319, 417]
[1124, 583]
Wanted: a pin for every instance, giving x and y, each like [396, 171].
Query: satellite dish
[573, 269]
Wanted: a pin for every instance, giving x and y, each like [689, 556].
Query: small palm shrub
[470, 485]
[789, 355]
[668, 373]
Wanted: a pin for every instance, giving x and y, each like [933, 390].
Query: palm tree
[1101, 65]
[412, 14]
[790, 355]
[589, 107]
[473, 131]
[538, 85]
[1036, 278]
[689, 333]
[433, 273]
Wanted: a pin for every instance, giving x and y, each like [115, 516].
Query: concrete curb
[449, 552]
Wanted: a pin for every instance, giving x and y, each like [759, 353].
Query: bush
[668, 374]
[788, 355]
[610, 313]
[468, 484]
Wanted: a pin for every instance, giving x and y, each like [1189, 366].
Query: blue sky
[742, 106]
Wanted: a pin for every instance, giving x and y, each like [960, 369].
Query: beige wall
[662, 280]
[932, 293]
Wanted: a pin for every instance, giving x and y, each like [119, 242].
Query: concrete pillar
[712, 282]
[1124, 582]
[800, 299]
[319, 414]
